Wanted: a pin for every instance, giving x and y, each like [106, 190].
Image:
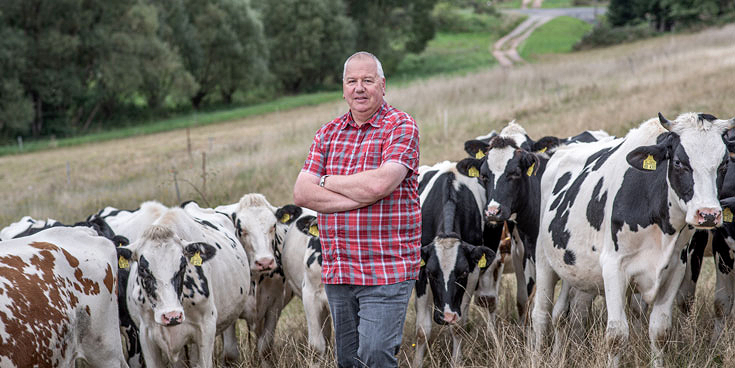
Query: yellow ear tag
[473, 172]
[530, 169]
[649, 163]
[542, 150]
[122, 262]
[196, 259]
[483, 262]
[479, 154]
[285, 218]
[727, 215]
[423, 263]
[314, 230]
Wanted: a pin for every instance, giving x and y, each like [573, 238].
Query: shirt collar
[374, 120]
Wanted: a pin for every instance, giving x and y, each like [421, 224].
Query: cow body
[647, 193]
[58, 300]
[188, 282]
[26, 226]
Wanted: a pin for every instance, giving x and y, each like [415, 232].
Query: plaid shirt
[378, 244]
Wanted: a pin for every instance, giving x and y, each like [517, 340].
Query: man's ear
[470, 167]
[476, 148]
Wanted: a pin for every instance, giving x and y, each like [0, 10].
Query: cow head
[694, 155]
[261, 227]
[161, 261]
[505, 171]
[452, 268]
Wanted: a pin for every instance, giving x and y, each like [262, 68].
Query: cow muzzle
[265, 264]
[708, 217]
[172, 318]
[451, 317]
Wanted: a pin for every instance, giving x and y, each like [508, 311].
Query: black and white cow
[302, 265]
[646, 193]
[453, 255]
[509, 167]
[188, 283]
[59, 300]
[26, 226]
[261, 229]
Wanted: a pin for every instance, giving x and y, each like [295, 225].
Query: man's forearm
[307, 193]
[368, 186]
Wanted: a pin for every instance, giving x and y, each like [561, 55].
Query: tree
[308, 40]
[16, 108]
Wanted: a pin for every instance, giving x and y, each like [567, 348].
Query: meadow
[612, 89]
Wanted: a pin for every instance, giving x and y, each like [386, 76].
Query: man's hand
[368, 186]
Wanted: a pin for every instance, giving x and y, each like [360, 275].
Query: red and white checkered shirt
[379, 244]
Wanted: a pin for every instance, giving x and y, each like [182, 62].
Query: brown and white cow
[58, 300]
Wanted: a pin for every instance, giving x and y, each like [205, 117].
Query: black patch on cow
[584, 137]
[316, 255]
[147, 281]
[596, 208]
[198, 286]
[530, 285]
[599, 157]
[183, 204]
[594, 249]
[564, 202]
[178, 279]
[680, 175]
[725, 262]
[707, 117]
[561, 182]
[426, 179]
[447, 210]
[206, 223]
[502, 142]
[569, 257]
[304, 223]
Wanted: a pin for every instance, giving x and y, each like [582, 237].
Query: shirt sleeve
[402, 144]
[315, 160]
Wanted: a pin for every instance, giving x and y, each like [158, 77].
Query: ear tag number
[122, 262]
[473, 172]
[649, 163]
[285, 218]
[530, 169]
[483, 262]
[727, 215]
[314, 230]
[196, 259]
[542, 150]
[479, 154]
[423, 263]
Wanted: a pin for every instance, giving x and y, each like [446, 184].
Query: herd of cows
[627, 217]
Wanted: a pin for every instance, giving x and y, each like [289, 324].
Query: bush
[451, 19]
[605, 35]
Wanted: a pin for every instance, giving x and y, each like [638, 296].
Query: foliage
[605, 35]
[557, 36]
[459, 20]
[665, 15]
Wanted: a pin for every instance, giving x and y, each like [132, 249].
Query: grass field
[612, 89]
[556, 36]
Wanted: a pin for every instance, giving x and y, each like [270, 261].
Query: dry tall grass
[611, 89]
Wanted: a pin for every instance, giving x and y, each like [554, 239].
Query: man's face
[362, 88]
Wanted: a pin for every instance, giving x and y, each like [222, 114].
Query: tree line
[667, 15]
[67, 66]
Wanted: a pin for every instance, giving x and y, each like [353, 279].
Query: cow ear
[288, 214]
[198, 253]
[544, 144]
[728, 209]
[470, 167]
[476, 148]
[124, 257]
[120, 241]
[480, 256]
[425, 254]
[529, 163]
[648, 158]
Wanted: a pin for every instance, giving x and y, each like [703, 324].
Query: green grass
[183, 121]
[557, 36]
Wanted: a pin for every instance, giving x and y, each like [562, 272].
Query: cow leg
[543, 301]
[266, 330]
[560, 310]
[725, 282]
[486, 295]
[694, 256]
[518, 268]
[152, 354]
[230, 345]
[313, 311]
[638, 307]
[660, 320]
[205, 342]
[456, 331]
[424, 311]
[617, 332]
[579, 311]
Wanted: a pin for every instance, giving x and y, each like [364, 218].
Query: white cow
[188, 283]
[620, 212]
[58, 300]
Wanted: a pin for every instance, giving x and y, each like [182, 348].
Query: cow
[646, 194]
[454, 252]
[261, 229]
[188, 282]
[59, 300]
[302, 265]
[26, 226]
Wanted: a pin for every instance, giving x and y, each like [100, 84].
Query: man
[361, 176]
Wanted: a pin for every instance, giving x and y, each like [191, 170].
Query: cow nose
[709, 217]
[451, 317]
[172, 318]
[492, 211]
[265, 264]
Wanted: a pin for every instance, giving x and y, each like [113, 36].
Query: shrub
[605, 35]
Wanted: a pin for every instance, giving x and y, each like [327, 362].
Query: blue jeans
[368, 322]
